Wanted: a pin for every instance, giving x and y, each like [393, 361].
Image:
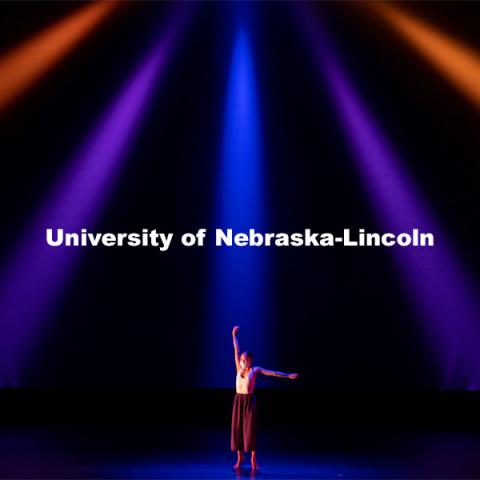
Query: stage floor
[43, 454]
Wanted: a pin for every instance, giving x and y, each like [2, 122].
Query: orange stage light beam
[22, 66]
[456, 61]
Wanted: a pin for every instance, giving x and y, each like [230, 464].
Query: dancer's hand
[235, 330]
[293, 376]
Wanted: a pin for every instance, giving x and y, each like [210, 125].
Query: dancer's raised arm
[236, 346]
[272, 373]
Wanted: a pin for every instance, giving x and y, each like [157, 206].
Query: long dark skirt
[244, 422]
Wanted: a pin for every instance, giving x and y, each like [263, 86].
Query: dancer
[244, 416]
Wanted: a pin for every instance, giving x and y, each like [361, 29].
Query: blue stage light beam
[239, 283]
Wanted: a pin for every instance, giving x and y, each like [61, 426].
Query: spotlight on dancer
[244, 416]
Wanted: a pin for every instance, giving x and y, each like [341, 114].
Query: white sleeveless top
[245, 384]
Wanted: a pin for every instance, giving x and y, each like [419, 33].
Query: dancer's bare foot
[255, 465]
[239, 460]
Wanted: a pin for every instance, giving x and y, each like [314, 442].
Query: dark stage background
[135, 317]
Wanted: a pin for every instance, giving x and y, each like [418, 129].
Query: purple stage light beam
[36, 274]
[440, 290]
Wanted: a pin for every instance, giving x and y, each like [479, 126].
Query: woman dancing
[244, 416]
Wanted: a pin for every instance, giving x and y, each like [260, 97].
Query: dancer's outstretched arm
[272, 373]
[236, 346]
